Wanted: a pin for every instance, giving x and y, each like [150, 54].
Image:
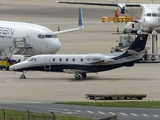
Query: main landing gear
[79, 76]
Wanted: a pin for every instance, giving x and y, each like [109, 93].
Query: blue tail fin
[80, 19]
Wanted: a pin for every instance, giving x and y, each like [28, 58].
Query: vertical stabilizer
[151, 1]
[139, 43]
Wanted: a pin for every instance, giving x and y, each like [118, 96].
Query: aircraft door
[28, 38]
[47, 65]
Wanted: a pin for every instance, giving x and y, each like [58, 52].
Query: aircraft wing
[101, 3]
[80, 25]
[73, 71]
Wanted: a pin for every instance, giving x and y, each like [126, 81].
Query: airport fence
[24, 115]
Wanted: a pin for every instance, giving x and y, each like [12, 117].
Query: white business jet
[150, 17]
[80, 64]
[40, 39]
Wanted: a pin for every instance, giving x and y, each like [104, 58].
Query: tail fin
[139, 43]
[151, 2]
[80, 19]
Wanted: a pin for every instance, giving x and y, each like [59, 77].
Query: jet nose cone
[151, 22]
[11, 68]
[53, 46]
[57, 45]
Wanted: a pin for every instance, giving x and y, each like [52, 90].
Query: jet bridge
[17, 46]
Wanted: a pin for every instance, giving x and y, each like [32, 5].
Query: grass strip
[20, 115]
[130, 104]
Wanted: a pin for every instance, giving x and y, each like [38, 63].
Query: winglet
[80, 24]
[80, 20]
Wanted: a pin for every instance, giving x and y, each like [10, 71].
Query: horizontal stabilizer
[100, 3]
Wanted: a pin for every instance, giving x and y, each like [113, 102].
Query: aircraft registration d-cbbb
[81, 64]
[41, 39]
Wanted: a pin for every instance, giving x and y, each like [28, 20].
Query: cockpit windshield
[47, 36]
[31, 59]
[152, 15]
[148, 14]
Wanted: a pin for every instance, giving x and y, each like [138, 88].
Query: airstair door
[28, 38]
[47, 65]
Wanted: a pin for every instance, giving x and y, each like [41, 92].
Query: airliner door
[28, 38]
[47, 65]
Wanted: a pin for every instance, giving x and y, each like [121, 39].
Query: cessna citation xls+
[40, 39]
[80, 64]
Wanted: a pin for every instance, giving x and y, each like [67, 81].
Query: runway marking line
[78, 111]
[124, 114]
[101, 112]
[134, 114]
[155, 115]
[111, 113]
[145, 115]
[89, 111]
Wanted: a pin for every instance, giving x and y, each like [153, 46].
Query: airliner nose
[54, 45]
[151, 22]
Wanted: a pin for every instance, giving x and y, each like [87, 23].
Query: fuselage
[41, 39]
[83, 62]
[150, 17]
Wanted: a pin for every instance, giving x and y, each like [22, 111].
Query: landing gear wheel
[84, 75]
[23, 76]
[78, 77]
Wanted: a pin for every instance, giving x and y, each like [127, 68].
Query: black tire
[84, 75]
[78, 77]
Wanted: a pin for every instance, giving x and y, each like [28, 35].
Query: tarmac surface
[96, 37]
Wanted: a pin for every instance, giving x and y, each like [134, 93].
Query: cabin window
[67, 59]
[73, 59]
[35, 59]
[81, 59]
[60, 59]
[53, 59]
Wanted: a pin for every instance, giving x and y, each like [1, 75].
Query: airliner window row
[73, 59]
[47, 36]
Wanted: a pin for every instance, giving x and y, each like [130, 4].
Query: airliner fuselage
[41, 39]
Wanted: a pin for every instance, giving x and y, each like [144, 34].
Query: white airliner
[41, 39]
[80, 64]
[150, 17]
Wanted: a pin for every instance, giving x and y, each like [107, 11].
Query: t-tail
[139, 43]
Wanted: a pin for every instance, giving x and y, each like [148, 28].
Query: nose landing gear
[23, 75]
